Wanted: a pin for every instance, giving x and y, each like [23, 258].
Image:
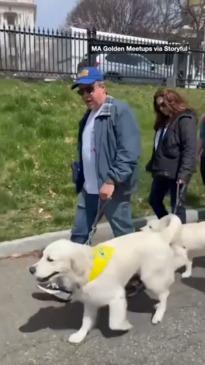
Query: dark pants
[202, 167]
[117, 211]
[160, 187]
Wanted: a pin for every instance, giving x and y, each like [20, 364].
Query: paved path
[35, 329]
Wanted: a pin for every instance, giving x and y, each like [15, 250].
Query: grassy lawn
[38, 131]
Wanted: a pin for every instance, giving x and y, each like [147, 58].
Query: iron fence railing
[61, 54]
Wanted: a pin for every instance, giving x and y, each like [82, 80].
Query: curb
[39, 242]
[27, 245]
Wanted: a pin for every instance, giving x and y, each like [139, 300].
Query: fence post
[172, 81]
[91, 35]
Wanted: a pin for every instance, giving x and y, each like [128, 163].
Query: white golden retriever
[148, 253]
[192, 237]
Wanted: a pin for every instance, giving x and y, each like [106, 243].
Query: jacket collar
[105, 111]
[106, 107]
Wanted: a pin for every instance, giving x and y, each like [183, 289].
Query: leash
[100, 211]
[180, 189]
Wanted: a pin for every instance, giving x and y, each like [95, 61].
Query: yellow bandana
[101, 257]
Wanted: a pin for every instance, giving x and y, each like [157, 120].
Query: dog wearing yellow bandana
[97, 276]
[101, 257]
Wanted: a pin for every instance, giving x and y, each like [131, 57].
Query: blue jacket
[117, 145]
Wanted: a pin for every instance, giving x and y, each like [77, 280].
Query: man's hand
[106, 191]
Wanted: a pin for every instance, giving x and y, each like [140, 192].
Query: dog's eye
[49, 259]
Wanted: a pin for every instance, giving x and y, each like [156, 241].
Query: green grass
[38, 132]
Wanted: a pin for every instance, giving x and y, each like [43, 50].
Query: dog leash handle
[180, 189]
[100, 211]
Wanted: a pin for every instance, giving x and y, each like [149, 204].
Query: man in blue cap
[109, 150]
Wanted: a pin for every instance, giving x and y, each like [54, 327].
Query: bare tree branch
[150, 18]
[118, 16]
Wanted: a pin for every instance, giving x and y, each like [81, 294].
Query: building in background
[25, 49]
[15, 47]
[18, 13]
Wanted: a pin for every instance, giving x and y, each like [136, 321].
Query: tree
[166, 17]
[162, 19]
[193, 15]
[117, 16]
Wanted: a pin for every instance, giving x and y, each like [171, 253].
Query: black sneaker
[134, 286]
[53, 289]
[131, 291]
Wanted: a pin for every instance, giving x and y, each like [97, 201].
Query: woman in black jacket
[201, 148]
[173, 158]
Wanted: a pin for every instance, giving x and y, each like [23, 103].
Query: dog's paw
[125, 326]
[157, 318]
[186, 274]
[76, 338]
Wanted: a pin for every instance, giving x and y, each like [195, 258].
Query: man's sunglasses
[87, 89]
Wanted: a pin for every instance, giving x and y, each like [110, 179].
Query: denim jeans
[117, 211]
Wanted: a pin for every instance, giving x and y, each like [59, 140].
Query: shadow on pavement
[195, 283]
[70, 315]
[67, 316]
[199, 261]
[141, 303]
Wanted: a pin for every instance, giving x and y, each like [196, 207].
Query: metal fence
[57, 54]
[34, 52]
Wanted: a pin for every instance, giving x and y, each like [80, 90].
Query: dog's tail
[171, 228]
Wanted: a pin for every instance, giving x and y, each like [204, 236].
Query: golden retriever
[148, 253]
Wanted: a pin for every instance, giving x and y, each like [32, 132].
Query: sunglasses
[161, 105]
[87, 89]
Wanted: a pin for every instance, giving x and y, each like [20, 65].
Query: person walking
[173, 159]
[109, 151]
[201, 148]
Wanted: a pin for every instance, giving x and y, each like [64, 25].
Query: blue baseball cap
[87, 76]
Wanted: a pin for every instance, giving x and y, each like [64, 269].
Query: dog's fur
[148, 253]
[192, 237]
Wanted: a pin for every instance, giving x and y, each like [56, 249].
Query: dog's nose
[32, 270]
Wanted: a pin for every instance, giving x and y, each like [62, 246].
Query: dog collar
[101, 257]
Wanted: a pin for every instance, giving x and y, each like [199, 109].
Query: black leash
[180, 189]
[100, 210]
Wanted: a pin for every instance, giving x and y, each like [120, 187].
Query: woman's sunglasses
[161, 105]
[88, 89]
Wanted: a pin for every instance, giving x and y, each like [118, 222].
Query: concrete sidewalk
[34, 328]
[39, 242]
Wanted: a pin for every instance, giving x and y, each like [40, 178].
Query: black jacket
[175, 156]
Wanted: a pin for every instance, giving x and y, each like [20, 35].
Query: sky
[52, 13]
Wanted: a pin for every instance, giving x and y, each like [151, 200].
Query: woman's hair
[174, 103]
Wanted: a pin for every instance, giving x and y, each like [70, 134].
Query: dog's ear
[80, 265]
[77, 266]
